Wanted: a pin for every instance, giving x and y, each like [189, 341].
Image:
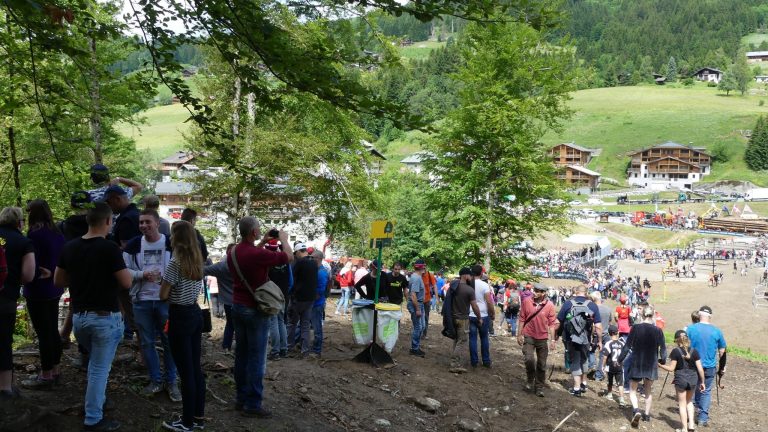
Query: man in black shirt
[398, 284]
[126, 229]
[302, 296]
[369, 281]
[93, 269]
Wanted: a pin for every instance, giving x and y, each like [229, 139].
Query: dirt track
[337, 394]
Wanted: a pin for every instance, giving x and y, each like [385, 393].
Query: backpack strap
[237, 269]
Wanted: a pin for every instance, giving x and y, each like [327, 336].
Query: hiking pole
[662, 386]
[550, 372]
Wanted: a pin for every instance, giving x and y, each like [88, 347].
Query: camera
[274, 233]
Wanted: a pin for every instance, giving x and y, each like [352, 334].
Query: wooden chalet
[757, 56]
[577, 177]
[708, 74]
[668, 164]
[571, 154]
[174, 162]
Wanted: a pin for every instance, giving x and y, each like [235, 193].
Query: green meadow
[162, 133]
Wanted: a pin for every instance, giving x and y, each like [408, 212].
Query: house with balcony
[571, 161]
[668, 166]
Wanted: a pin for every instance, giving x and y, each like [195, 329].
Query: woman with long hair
[685, 362]
[646, 341]
[20, 257]
[346, 282]
[182, 283]
[42, 295]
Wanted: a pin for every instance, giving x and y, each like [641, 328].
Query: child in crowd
[685, 362]
[611, 351]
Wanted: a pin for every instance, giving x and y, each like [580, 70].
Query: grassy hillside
[623, 119]
[162, 134]
[419, 50]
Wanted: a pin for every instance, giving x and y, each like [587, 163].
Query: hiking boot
[104, 425]
[418, 353]
[635, 419]
[257, 413]
[283, 353]
[173, 392]
[152, 388]
[177, 425]
[38, 383]
[575, 392]
[529, 386]
[540, 393]
[646, 418]
[273, 356]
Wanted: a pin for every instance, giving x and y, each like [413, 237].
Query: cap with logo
[299, 246]
[705, 309]
[680, 333]
[114, 190]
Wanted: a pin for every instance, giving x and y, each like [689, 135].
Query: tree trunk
[14, 160]
[236, 109]
[95, 93]
[489, 233]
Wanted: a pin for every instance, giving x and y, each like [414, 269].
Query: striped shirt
[183, 291]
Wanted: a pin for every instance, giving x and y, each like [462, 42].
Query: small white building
[708, 74]
[761, 79]
[415, 161]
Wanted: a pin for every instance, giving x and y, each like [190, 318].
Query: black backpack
[579, 321]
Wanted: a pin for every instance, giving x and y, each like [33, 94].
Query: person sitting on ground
[685, 362]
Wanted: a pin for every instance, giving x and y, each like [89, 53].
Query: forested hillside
[625, 41]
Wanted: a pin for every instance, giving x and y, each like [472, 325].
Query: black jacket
[449, 330]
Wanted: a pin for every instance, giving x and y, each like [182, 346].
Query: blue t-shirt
[707, 340]
[416, 286]
[440, 282]
[322, 283]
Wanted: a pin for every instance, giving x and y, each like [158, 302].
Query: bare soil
[337, 394]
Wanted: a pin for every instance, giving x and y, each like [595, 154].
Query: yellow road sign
[382, 229]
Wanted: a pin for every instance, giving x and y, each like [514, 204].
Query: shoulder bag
[268, 297]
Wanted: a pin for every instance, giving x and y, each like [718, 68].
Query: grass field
[624, 119]
[419, 50]
[754, 38]
[162, 134]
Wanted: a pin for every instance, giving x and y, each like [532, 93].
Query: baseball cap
[80, 199]
[679, 333]
[299, 246]
[114, 189]
[465, 271]
[705, 309]
[272, 244]
[613, 329]
[539, 287]
[99, 168]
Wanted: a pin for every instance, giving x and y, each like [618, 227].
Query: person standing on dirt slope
[416, 308]
[685, 362]
[220, 271]
[605, 315]
[251, 325]
[302, 297]
[282, 276]
[93, 269]
[147, 257]
[318, 307]
[481, 323]
[430, 292]
[463, 300]
[398, 284]
[708, 340]
[537, 325]
[646, 341]
[579, 317]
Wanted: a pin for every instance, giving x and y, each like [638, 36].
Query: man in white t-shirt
[146, 257]
[485, 303]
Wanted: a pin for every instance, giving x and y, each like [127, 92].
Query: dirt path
[629, 242]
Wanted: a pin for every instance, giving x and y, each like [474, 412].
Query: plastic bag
[362, 325]
[388, 328]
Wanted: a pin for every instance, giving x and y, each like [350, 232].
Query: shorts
[579, 355]
[685, 379]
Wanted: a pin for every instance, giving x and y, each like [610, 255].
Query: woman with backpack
[685, 362]
[646, 341]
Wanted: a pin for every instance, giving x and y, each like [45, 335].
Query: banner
[568, 275]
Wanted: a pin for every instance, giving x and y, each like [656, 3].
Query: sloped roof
[757, 53]
[180, 157]
[673, 158]
[672, 144]
[584, 170]
[577, 147]
[417, 158]
[708, 69]
[372, 150]
[173, 188]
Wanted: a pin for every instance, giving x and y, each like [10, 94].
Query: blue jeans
[229, 329]
[251, 334]
[513, 324]
[150, 317]
[485, 344]
[317, 326]
[344, 300]
[185, 332]
[278, 335]
[418, 324]
[703, 399]
[100, 336]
